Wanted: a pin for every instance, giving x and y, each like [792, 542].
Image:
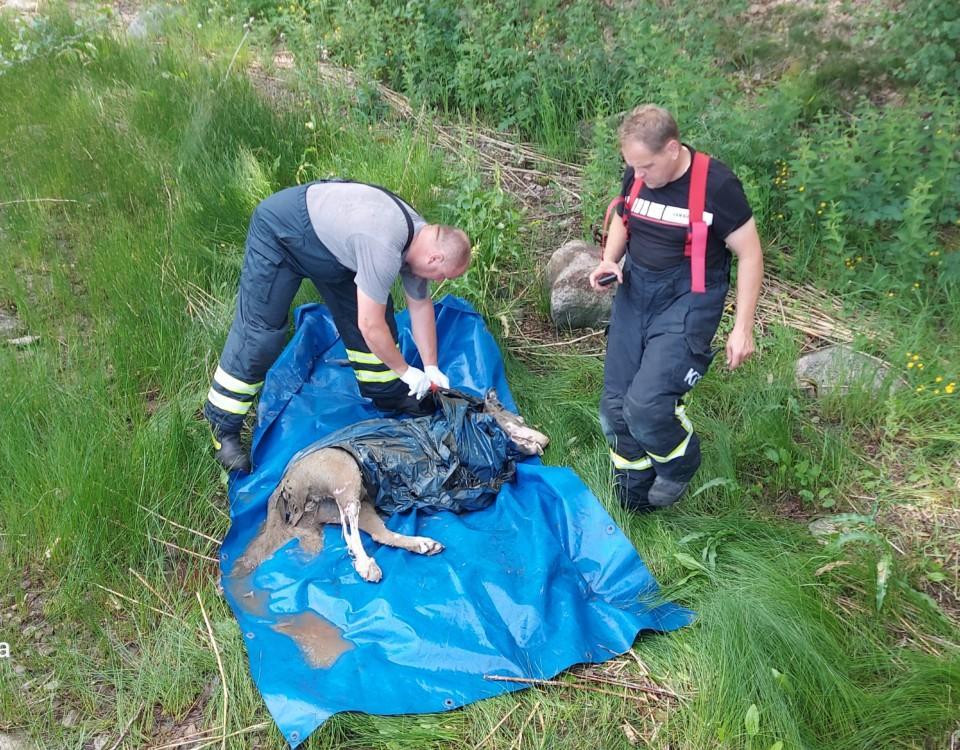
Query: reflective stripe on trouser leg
[228, 402]
[369, 368]
[681, 449]
[259, 329]
[375, 380]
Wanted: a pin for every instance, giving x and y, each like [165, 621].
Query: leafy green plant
[55, 35]
[801, 475]
[933, 40]
[492, 223]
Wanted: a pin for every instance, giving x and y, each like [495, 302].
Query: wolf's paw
[369, 570]
[428, 546]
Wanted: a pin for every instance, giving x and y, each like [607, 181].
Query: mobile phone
[607, 279]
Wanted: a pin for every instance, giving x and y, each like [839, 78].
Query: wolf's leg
[348, 502]
[371, 522]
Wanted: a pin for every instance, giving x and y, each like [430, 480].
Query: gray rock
[149, 21]
[14, 742]
[565, 256]
[573, 304]
[20, 6]
[838, 369]
[23, 341]
[9, 325]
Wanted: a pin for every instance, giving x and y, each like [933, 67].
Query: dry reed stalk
[223, 676]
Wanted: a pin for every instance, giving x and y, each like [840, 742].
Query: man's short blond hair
[653, 126]
[455, 246]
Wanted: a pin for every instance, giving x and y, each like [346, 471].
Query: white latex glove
[436, 376]
[417, 380]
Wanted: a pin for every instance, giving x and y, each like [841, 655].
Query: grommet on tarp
[449, 702]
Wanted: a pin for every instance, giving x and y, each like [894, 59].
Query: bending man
[667, 309]
[352, 241]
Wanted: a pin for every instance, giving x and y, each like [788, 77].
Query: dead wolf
[328, 486]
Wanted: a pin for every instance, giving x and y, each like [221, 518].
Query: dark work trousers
[282, 250]
[658, 347]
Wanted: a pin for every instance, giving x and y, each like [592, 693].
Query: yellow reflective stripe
[681, 413]
[236, 386]
[228, 404]
[370, 376]
[364, 358]
[641, 464]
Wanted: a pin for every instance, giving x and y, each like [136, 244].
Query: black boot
[632, 488]
[229, 452]
[665, 492]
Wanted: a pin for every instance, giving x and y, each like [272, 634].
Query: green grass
[161, 156]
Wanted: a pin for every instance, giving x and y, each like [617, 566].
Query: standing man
[681, 214]
[352, 241]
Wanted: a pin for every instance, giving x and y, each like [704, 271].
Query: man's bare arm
[372, 321]
[745, 243]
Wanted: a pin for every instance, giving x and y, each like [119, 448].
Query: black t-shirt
[659, 220]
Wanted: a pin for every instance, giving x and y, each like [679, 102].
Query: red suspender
[627, 205]
[606, 222]
[696, 246]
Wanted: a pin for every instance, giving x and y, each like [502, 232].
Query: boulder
[9, 324]
[14, 742]
[20, 6]
[838, 368]
[573, 304]
[149, 21]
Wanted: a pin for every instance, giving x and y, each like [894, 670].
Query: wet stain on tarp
[253, 600]
[321, 642]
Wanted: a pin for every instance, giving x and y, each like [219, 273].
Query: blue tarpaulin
[539, 581]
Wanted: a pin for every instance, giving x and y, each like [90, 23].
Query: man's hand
[417, 380]
[436, 376]
[605, 267]
[739, 347]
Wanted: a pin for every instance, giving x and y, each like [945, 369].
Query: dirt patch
[321, 642]
[274, 534]
[931, 532]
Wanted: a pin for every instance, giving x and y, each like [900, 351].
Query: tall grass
[129, 285]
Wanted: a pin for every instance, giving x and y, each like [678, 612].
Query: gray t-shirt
[365, 230]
